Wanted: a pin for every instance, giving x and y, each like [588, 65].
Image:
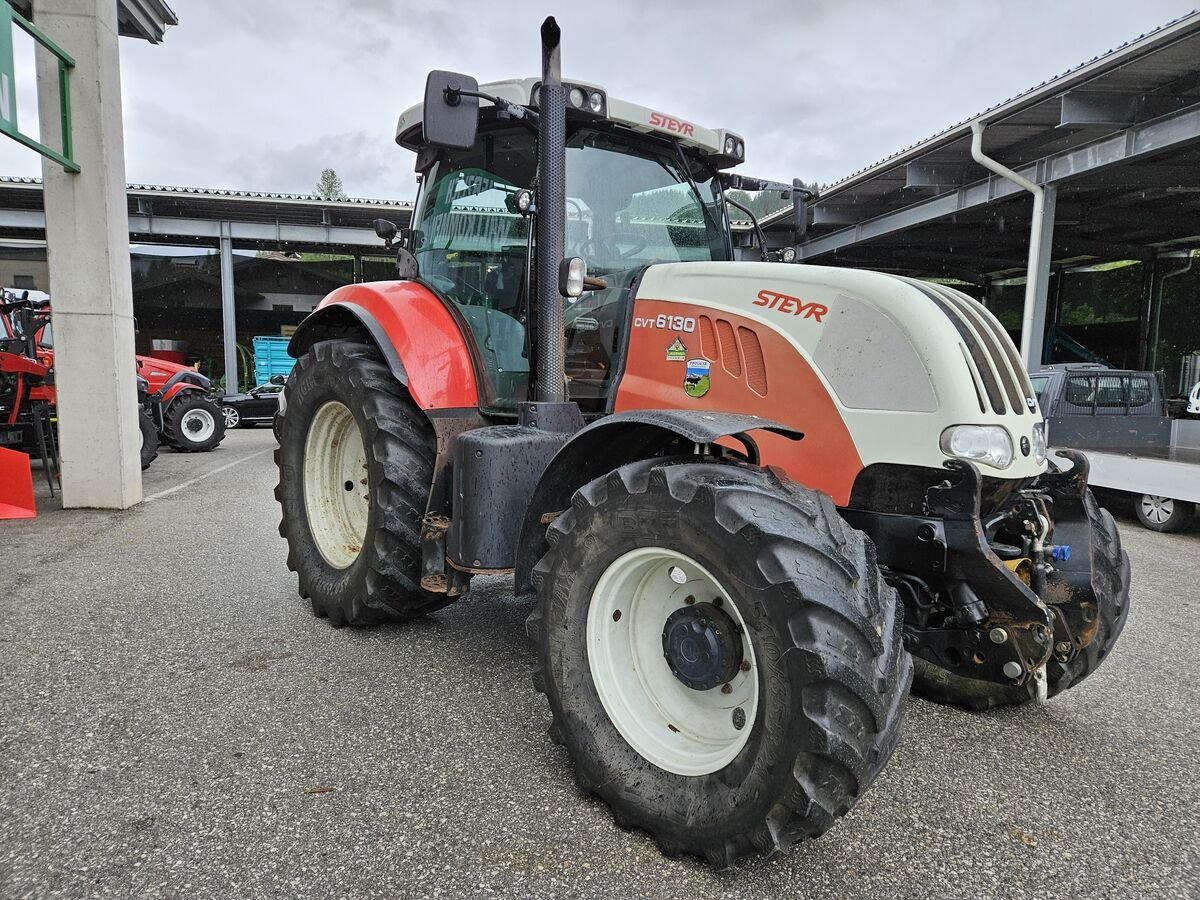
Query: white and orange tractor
[751, 502]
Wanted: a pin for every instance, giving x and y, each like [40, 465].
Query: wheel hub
[702, 646]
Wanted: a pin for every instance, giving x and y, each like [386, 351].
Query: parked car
[256, 406]
[1117, 417]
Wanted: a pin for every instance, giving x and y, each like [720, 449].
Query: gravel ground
[175, 723]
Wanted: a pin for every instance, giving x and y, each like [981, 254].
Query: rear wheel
[722, 659]
[233, 418]
[1110, 581]
[193, 423]
[1163, 514]
[355, 466]
[149, 439]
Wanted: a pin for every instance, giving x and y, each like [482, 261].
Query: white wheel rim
[231, 416]
[336, 492]
[677, 728]
[1157, 509]
[197, 425]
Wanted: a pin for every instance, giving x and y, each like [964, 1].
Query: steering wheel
[456, 289]
[606, 247]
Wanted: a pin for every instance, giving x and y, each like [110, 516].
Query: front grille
[992, 357]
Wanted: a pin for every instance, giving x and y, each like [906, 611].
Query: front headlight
[989, 444]
[1039, 443]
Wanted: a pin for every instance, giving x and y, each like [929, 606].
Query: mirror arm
[762, 238]
[514, 110]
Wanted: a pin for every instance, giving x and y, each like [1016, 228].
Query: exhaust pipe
[552, 205]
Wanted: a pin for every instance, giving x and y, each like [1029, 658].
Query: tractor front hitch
[967, 611]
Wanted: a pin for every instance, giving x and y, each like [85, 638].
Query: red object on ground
[16, 486]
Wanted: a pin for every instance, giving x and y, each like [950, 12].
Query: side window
[1140, 392]
[472, 247]
[1081, 391]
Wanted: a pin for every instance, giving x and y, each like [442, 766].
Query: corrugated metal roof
[221, 193]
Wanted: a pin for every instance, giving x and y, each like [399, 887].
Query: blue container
[271, 358]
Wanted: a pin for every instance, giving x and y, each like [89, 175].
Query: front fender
[420, 341]
[612, 442]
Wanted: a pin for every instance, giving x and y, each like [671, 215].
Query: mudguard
[421, 342]
[618, 439]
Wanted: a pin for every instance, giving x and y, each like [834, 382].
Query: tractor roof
[712, 142]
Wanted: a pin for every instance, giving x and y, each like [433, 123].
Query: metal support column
[1037, 283]
[358, 268]
[228, 313]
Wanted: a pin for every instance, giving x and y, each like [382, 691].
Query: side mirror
[386, 231]
[277, 379]
[450, 117]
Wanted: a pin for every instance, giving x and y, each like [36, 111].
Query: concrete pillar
[87, 235]
[228, 311]
[1041, 241]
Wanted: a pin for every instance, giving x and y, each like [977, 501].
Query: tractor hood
[902, 360]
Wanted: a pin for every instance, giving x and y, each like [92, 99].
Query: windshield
[629, 203]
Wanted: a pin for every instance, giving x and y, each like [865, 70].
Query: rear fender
[420, 341]
[623, 438]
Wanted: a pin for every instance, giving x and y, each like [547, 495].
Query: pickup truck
[1117, 417]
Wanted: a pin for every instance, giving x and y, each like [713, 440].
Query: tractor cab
[642, 187]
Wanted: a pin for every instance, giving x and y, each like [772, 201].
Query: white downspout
[1036, 248]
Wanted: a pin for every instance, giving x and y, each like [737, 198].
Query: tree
[329, 186]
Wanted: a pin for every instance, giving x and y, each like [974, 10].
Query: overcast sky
[264, 94]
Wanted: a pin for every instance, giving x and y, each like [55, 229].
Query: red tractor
[750, 502]
[175, 401]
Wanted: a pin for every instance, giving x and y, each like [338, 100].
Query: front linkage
[1021, 601]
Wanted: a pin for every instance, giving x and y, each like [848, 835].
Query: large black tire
[186, 411]
[815, 608]
[383, 583]
[1110, 581]
[1163, 514]
[149, 439]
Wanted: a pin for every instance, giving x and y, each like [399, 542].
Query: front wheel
[722, 659]
[1163, 514]
[193, 423]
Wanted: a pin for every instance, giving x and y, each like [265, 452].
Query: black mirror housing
[450, 119]
[277, 379]
[384, 230]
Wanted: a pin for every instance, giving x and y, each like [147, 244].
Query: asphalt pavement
[175, 723]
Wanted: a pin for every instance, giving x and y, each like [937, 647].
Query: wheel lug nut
[727, 688]
[1062, 647]
[745, 665]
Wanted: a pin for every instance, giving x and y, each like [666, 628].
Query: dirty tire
[1110, 580]
[149, 436]
[383, 582]
[176, 434]
[817, 611]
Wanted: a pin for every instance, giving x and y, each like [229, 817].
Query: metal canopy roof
[1119, 136]
[144, 19]
[175, 215]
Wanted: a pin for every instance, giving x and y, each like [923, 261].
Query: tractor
[751, 502]
[175, 406]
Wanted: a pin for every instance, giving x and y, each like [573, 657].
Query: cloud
[264, 95]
